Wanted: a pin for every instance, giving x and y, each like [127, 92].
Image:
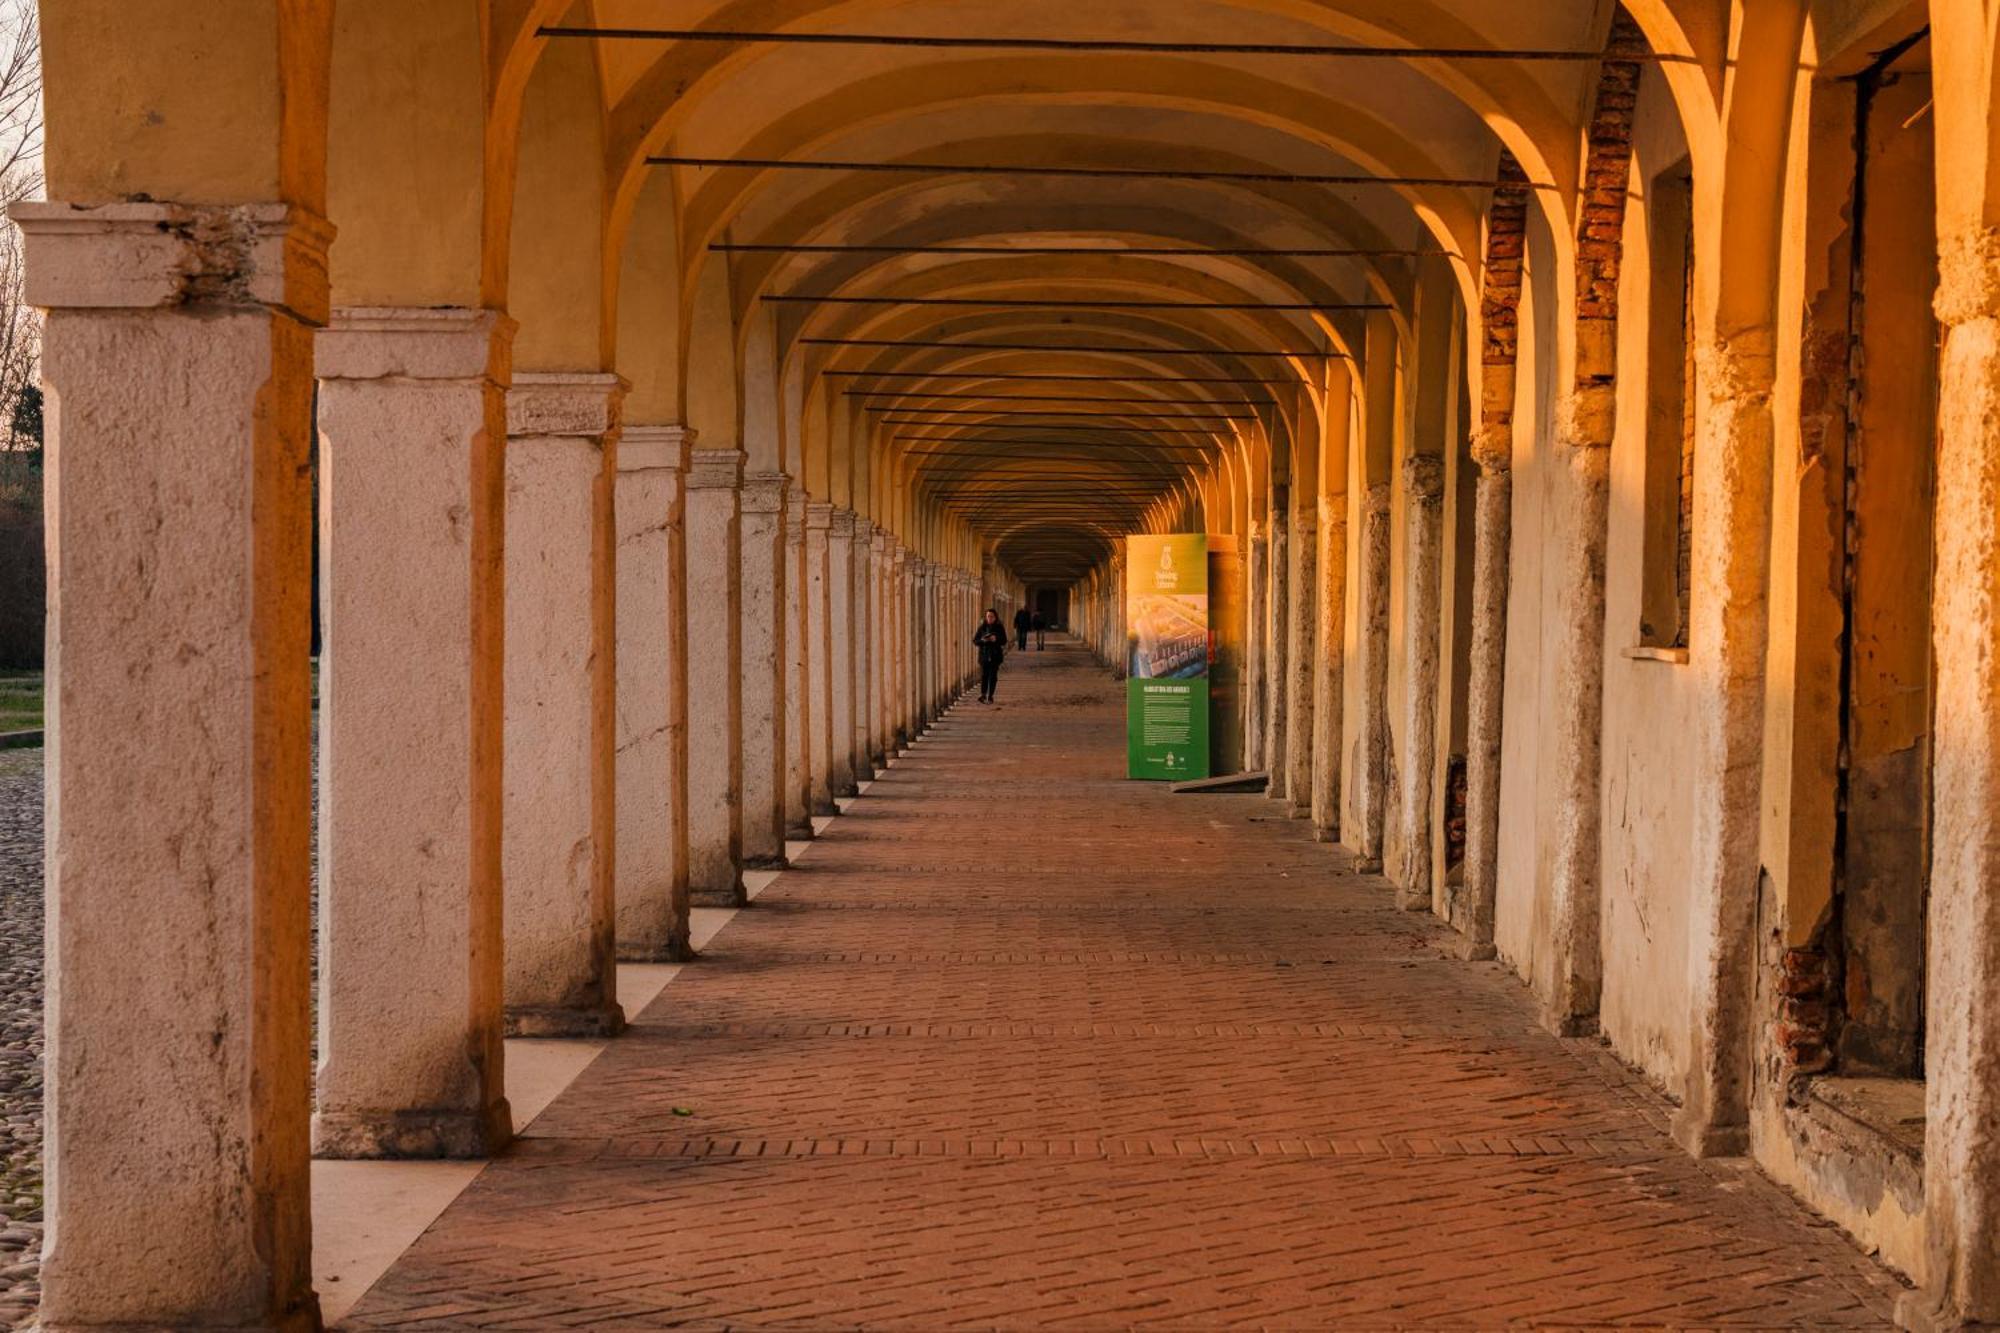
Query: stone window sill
[1648, 653]
[1885, 1114]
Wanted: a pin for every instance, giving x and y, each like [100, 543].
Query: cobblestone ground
[1022, 1045]
[20, 1034]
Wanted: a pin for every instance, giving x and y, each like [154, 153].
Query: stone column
[652, 892]
[1330, 666]
[1277, 657]
[899, 593]
[885, 646]
[840, 651]
[1492, 535]
[412, 488]
[798, 702]
[1569, 986]
[715, 679]
[763, 655]
[819, 660]
[1300, 670]
[864, 646]
[1371, 745]
[562, 687]
[1423, 607]
[178, 355]
[1962, 1047]
[1256, 585]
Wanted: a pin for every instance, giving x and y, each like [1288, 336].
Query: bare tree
[20, 178]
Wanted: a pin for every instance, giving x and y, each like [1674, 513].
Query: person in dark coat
[1041, 631]
[991, 641]
[1022, 622]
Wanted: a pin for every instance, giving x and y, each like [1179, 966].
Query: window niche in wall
[1669, 507]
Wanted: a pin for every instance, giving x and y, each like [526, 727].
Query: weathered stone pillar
[1300, 669]
[178, 354]
[763, 656]
[1492, 536]
[652, 893]
[1256, 582]
[840, 652]
[1962, 1018]
[715, 678]
[559, 837]
[819, 661]
[798, 699]
[1423, 607]
[413, 418]
[1330, 665]
[885, 645]
[1569, 986]
[1277, 655]
[1370, 759]
[905, 709]
[864, 647]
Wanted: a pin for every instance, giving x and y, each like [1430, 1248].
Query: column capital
[864, 530]
[1423, 477]
[884, 541]
[764, 492]
[651, 448]
[436, 343]
[842, 523]
[819, 515]
[714, 469]
[564, 405]
[795, 512]
[144, 256]
[1968, 276]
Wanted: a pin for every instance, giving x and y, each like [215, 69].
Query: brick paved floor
[1019, 1044]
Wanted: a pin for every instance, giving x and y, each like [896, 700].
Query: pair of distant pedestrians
[1025, 620]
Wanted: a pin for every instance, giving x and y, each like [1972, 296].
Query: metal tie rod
[1095, 173]
[1048, 347]
[1116, 252]
[926, 41]
[1031, 303]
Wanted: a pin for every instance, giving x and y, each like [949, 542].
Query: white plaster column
[1329, 666]
[1569, 986]
[558, 840]
[1492, 534]
[885, 645]
[652, 894]
[798, 699]
[900, 596]
[819, 661]
[412, 493]
[178, 357]
[1256, 585]
[1277, 654]
[840, 652]
[1962, 981]
[864, 646]
[1423, 607]
[1370, 748]
[715, 678]
[763, 655]
[1299, 667]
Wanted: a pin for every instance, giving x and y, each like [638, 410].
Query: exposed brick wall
[1600, 240]
[1506, 251]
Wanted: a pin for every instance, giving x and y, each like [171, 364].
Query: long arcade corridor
[1018, 1043]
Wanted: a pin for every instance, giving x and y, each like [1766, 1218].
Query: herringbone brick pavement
[1019, 1044]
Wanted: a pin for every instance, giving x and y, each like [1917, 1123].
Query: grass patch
[20, 700]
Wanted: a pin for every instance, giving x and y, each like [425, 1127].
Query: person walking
[991, 641]
[1041, 631]
[1022, 620]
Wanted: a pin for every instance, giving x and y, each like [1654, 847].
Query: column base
[1322, 833]
[560, 1021]
[734, 896]
[1702, 1138]
[802, 832]
[778, 862]
[1468, 950]
[350, 1136]
[1570, 1025]
[674, 950]
[1412, 900]
[1368, 865]
[298, 1321]
[1923, 1312]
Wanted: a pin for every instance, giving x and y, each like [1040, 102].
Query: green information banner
[1168, 645]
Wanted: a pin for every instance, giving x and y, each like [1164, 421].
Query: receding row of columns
[578, 673]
